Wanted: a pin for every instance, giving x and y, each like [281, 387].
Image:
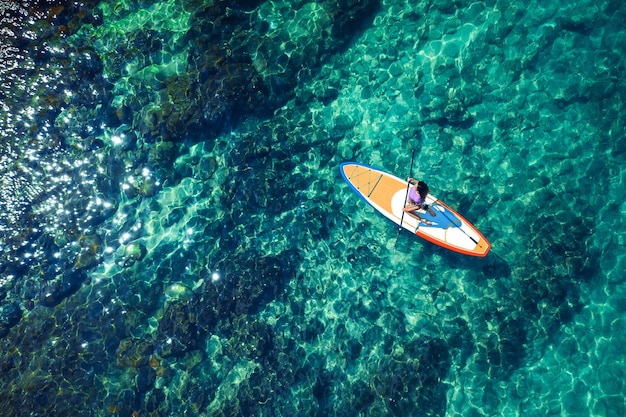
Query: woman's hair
[422, 189]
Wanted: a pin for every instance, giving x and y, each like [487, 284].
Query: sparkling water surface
[176, 238]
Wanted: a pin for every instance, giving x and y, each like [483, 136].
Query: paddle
[408, 184]
[444, 213]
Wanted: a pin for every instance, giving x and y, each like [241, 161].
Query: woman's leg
[412, 211]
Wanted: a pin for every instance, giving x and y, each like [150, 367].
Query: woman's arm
[412, 208]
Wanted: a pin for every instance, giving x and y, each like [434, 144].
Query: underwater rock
[353, 349]
[61, 287]
[145, 379]
[177, 331]
[411, 378]
[252, 282]
[10, 315]
[323, 387]
[249, 338]
[581, 19]
[155, 399]
[134, 353]
[162, 153]
[90, 246]
[148, 187]
[178, 291]
[455, 113]
[361, 397]
[133, 252]
[349, 17]
[207, 168]
[312, 330]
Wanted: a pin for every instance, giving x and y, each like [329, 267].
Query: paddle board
[387, 194]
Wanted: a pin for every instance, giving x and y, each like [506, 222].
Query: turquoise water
[177, 238]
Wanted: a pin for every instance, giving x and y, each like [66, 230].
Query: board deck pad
[387, 194]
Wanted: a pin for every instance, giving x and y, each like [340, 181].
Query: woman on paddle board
[417, 200]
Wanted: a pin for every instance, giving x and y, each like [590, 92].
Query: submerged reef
[215, 63]
[176, 238]
[50, 94]
[91, 91]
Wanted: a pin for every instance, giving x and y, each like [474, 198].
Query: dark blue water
[176, 237]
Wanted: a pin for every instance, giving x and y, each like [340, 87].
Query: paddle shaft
[408, 185]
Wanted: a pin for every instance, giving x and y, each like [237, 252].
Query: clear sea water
[176, 238]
